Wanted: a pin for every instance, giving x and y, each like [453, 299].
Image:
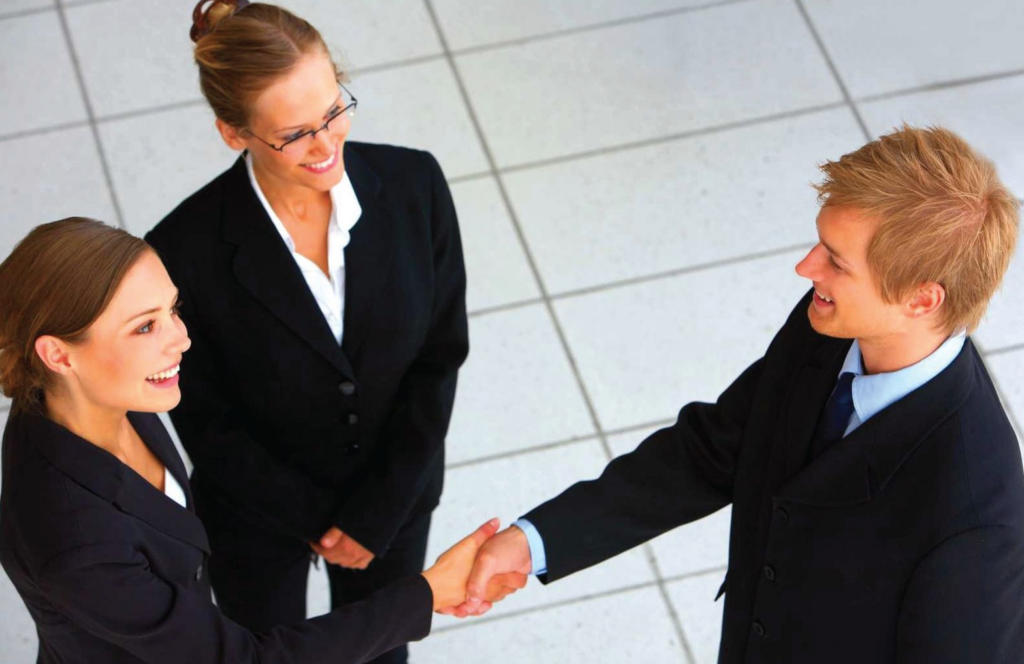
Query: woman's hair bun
[205, 20]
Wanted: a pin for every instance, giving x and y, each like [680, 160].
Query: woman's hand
[338, 548]
[448, 576]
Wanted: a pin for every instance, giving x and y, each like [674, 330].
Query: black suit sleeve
[963, 603]
[110, 591]
[211, 430]
[413, 438]
[677, 475]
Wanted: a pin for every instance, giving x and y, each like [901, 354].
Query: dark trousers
[259, 578]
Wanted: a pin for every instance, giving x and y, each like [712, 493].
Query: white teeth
[164, 375]
[827, 299]
[324, 164]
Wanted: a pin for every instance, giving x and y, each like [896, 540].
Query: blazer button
[759, 629]
[199, 573]
[352, 449]
[783, 515]
[353, 419]
[769, 572]
[347, 388]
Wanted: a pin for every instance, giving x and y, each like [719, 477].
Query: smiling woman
[98, 530]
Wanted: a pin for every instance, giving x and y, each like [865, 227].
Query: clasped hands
[467, 579]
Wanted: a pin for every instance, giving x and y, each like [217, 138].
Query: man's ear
[232, 135]
[54, 354]
[927, 299]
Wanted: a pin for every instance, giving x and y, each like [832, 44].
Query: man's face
[847, 302]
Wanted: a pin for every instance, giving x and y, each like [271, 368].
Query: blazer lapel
[369, 253]
[159, 442]
[264, 267]
[104, 475]
[860, 465]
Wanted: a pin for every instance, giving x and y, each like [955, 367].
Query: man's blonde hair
[944, 217]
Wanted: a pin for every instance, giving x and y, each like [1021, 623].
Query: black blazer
[112, 570]
[903, 543]
[294, 432]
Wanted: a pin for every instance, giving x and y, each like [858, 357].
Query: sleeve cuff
[538, 559]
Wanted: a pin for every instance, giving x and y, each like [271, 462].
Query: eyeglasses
[300, 142]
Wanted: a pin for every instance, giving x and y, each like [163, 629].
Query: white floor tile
[1007, 370]
[134, 55]
[678, 204]
[911, 46]
[509, 487]
[646, 350]
[37, 79]
[366, 33]
[694, 547]
[418, 106]
[644, 80]
[496, 267]
[987, 115]
[516, 390]
[17, 6]
[18, 641]
[699, 615]
[626, 627]
[469, 23]
[48, 177]
[158, 160]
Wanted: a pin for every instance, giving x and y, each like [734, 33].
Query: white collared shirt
[172, 489]
[329, 291]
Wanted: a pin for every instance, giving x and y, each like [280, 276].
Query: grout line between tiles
[27, 12]
[835, 71]
[90, 114]
[535, 270]
[669, 138]
[82, 3]
[944, 85]
[591, 27]
[1003, 349]
[28, 133]
[523, 451]
[510, 306]
[469, 177]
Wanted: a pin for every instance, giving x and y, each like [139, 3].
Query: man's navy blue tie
[836, 417]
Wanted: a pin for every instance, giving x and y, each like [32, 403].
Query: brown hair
[241, 48]
[944, 217]
[57, 281]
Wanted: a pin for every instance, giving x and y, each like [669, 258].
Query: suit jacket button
[199, 573]
[347, 388]
[769, 572]
[352, 449]
[353, 419]
[759, 629]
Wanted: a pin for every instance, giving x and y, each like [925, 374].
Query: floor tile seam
[1012, 416]
[941, 85]
[684, 642]
[90, 114]
[833, 68]
[1001, 350]
[27, 12]
[552, 35]
[508, 306]
[71, 4]
[42, 131]
[517, 227]
[699, 132]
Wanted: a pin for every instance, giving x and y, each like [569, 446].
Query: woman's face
[297, 102]
[130, 356]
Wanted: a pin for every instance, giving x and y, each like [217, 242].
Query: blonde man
[876, 483]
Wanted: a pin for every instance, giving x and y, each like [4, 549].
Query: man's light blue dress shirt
[871, 394]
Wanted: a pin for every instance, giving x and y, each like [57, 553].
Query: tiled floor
[632, 182]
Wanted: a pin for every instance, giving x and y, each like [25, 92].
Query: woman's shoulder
[191, 218]
[393, 163]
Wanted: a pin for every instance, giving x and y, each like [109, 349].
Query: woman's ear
[232, 136]
[54, 354]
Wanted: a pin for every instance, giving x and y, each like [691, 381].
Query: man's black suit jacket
[113, 571]
[902, 543]
[293, 432]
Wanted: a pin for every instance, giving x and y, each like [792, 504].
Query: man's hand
[448, 576]
[338, 548]
[506, 553]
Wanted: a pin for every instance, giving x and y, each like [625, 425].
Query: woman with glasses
[324, 285]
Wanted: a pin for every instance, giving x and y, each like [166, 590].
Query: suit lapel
[264, 266]
[369, 253]
[104, 475]
[159, 442]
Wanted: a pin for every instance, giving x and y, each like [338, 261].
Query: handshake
[481, 569]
